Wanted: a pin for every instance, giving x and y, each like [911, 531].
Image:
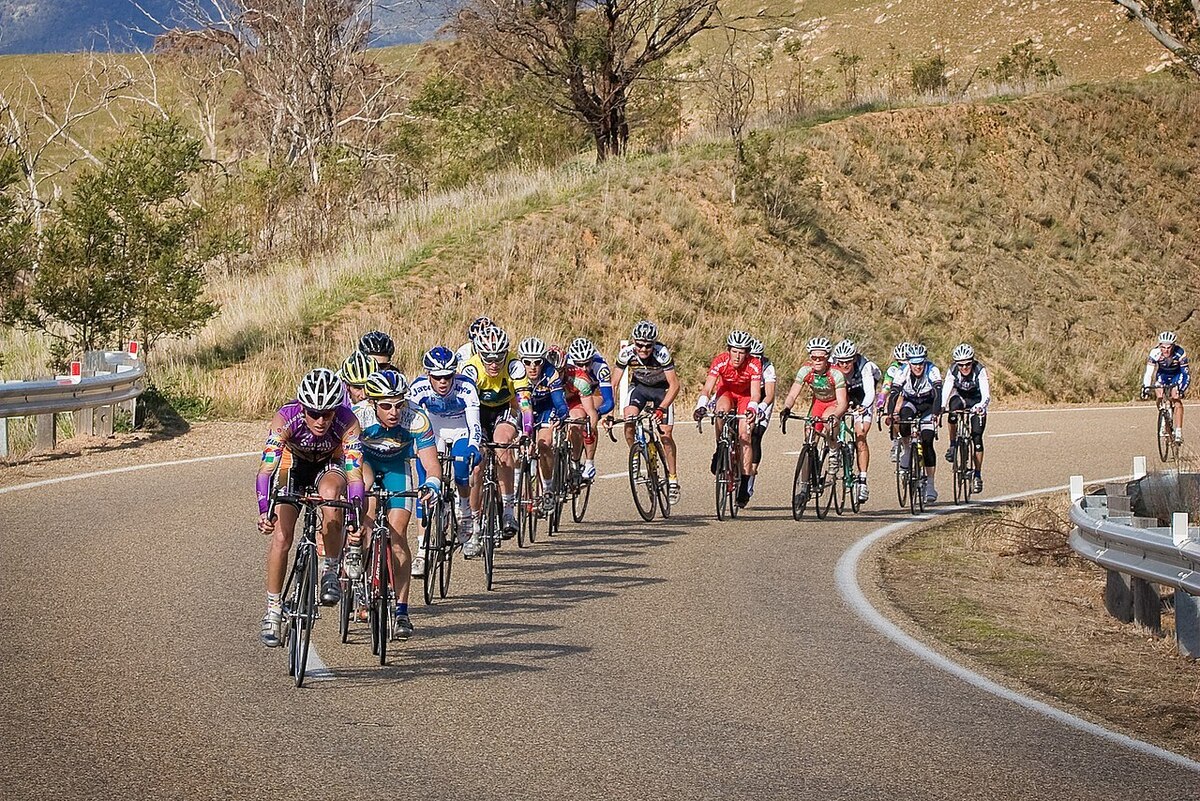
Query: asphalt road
[680, 660]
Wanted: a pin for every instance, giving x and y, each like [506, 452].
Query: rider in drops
[313, 442]
[391, 446]
[916, 399]
[967, 387]
[587, 384]
[736, 377]
[451, 403]
[653, 384]
[861, 377]
[1167, 372]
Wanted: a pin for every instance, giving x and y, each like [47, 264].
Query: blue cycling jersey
[547, 391]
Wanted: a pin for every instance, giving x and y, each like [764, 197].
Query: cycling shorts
[454, 437]
[642, 397]
[394, 476]
[295, 476]
[742, 402]
[492, 416]
[1168, 380]
[822, 409]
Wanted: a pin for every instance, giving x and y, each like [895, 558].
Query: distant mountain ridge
[61, 26]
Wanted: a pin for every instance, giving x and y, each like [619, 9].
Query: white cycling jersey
[464, 354]
[765, 410]
[454, 415]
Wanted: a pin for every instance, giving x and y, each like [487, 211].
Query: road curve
[691, 659]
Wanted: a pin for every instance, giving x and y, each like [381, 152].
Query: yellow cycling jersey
[500, 390]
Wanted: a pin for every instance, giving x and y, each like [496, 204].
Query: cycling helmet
[357, 368]
[963, 353]
[845, 350]
[757, 348]
[477, 327]
[900, 353]
[739, 339]
[377, 343]
[581, 350]
[440, 361]
[917, 353]
[819, 343]
[645, 331]
[532, 348]
[492, 341]
[386, 384]
[320, 390]
[1166, 338]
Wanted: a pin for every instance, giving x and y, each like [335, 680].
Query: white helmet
[1166, 338]
[917, 353]
[320, 390]
[845, 350]
[580, 350]
[492, 342]
[963, 353]
[900, 353]
[645, 331]
[819, 344]
[387, 384]
[757, 348]
[531, 348]
[739, 339]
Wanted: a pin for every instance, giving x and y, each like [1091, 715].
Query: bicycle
[1168, 446]
[300, 589]
[491, 508]
[911, 483]
[847, 478]
[529, 494]
[439, 548]
[566, 481]
[648, 473]
[811, 480]
[963, 461]
[728, 477]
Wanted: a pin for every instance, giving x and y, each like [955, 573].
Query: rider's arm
[868, 379]
[352, 453]
[843, 399]
[985, 388]
[272, 451]
[768, 393]
[792, 395]
[474, 426]
[947, 391]
[672, 386]
[755, 392]
[604, 378]
[428, 457]
[1185, 379]
[618, 373]
[709, 384]
[1151, 369]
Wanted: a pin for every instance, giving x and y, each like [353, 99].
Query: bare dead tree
[730, 86]
[1174, 23]
[589, 53]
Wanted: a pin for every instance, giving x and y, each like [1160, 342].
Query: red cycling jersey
[735, 380]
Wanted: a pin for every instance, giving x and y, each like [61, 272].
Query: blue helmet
[440, 361]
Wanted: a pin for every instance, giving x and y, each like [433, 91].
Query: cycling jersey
[457, 410]
[973, 387]
[647, 371]
[768, 377]
[824, 386]
[391, 452]
[290, 439]
[500, 390]
[364, 410]
[1167, 368]
[923, 393]
[464, 354]
[594, 378]
[735, 380]
[890, 375]
[547, 394]
[861, 376]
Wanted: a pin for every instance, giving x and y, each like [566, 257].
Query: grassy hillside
[1056, 232]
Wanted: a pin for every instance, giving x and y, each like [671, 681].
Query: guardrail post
[1147, 606]
[3, 437]
[47, 434]
[1187, 624]
[1139, 468]
[1118, 596]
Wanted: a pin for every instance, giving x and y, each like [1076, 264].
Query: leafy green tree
[1023, 63]
[16, 240]
[126, 258]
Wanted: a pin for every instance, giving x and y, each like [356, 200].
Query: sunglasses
[314, 414]
[531, 362]
[643, 345]
[494, 359]
[441, 377]
[844, 362]
[387, 406]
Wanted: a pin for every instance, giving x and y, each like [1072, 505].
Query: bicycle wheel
[901, 485]
[491, 532]
[833, 478]
[558, 486]
[817, 480]
[345, 607]
[579, 501]
[383, 605]
[837, 480]
[800, 484]
[917, 481]
[1165, 434]
[659, 460]
[644, 495]
[526, 517]
[850, 475]
[968, 471]
[305, 617]
[734, 484]
[434, 533]
[721, 477]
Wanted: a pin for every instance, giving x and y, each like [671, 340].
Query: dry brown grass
[989, 589]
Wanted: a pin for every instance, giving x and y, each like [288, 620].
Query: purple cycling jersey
[302, 442]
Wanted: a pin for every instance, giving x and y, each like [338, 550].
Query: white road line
[315, 667]
[847, 582]
[1067, 409]
[95, 473]
[622, 474]
[1019, 434]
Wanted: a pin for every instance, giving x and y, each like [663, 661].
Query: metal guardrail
[1140, 555]
[118, 379]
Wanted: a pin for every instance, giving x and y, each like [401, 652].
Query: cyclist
[467, 350]
[1167, 368]
[354, 373]
[313, 441]
[736, 378]
[861, 374]
[549, 404]
[915, 398]
[893, 371]
[827, 386]
[504, 411]
[765, 405]
[653, 384]
[380, 347]
[402, 437]
[968, 388]
[588, 386]
[451, 403]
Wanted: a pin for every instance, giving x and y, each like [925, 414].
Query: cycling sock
[546, 485]
[329, 564]
[401, 609]
[750, 483]
[509, 500]
[464, 506]
[274, 602]
[862, 477]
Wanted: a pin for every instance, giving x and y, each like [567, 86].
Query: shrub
[929, 75]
